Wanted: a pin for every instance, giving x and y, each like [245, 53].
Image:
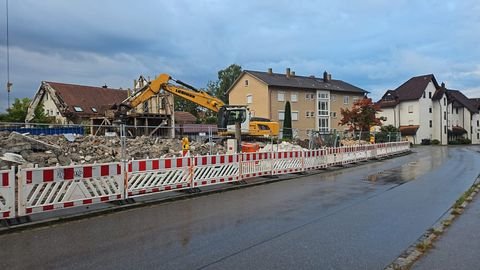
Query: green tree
[387, 134]
[361, 116]
[226, 77]
[287, 122]
[18, 112]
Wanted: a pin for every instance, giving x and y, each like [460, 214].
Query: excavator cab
[229, 115]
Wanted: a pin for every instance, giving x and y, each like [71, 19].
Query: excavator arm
[183, 90]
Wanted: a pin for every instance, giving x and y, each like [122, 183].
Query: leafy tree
[226, 77]
[184, 105]
[361, 116]
[18, 112]
[287, 122]
[387, 133]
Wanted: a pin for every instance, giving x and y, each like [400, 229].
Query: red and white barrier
[287, 162]
[315, 159]
[256, 164]
[349, 155]
[45, 189]
[215, 169]
[334, 156]
[7, 193]
[157, 175]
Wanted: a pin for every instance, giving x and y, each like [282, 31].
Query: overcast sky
[373, 44]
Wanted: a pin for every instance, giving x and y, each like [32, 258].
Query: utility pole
[9, 84]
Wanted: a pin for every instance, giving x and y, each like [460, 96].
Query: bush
[435, 142]
[425, 142]
[460, 141]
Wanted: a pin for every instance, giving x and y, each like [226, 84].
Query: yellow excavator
[228, 115]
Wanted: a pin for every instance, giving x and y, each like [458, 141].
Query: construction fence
[37, 190]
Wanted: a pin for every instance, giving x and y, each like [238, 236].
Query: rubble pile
[352, 142]
[282, 147]
[66, 150]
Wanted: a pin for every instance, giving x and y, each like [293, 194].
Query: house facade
[461, 114]
[315, 102]
[423, 109]
[88, 105]
[418, 108]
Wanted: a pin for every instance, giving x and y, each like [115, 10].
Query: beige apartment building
[315, 102]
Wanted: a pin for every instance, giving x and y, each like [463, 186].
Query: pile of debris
[66, 150]
[281, 147]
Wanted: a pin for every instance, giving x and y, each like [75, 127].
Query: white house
[461, 114]
[418, 108]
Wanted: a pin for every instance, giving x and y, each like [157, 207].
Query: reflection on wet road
[355, 218]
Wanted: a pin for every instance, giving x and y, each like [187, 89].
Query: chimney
[105, 86]
[443, 85]
[325, 76]
[134, 84]
[293, 73]
[270, 71]
[329, 76]
[288, 72]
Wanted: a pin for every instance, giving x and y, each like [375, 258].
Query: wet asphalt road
[356, 218]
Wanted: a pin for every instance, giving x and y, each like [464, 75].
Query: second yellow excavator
[228, 115]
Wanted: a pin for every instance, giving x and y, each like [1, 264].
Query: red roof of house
[408, 130]
[184, 118]
[88, 98]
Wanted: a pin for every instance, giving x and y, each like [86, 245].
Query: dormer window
[78, 109]
[94, 110]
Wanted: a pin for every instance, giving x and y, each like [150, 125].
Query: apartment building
[423, 109]
[315, 102]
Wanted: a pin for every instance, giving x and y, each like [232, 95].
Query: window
[333, 97]
[445, 129]
[78, 109]
[323, 124]
[355, 99]
[249, 99]
[345, 100]
[323, 95]
[294, 116]
[307, 114]
[294, 97]
[444, 115]
[478, 136]
[94, 110]
[410, 109]
[322, 107]
[145, 107]
[281, 115]
[280, 96]
[456, 109]
[58, 113]
[46, 96]
[478, 122]
[309, 96]
[424, 94]
[246, 82]
[445, 101]
[430, 123]
[333, 114]
[429, 94]
[430, 110]
[452, 108]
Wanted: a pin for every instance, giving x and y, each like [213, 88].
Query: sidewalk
[458, 247]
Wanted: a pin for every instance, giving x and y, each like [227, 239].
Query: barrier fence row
[37, 190]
